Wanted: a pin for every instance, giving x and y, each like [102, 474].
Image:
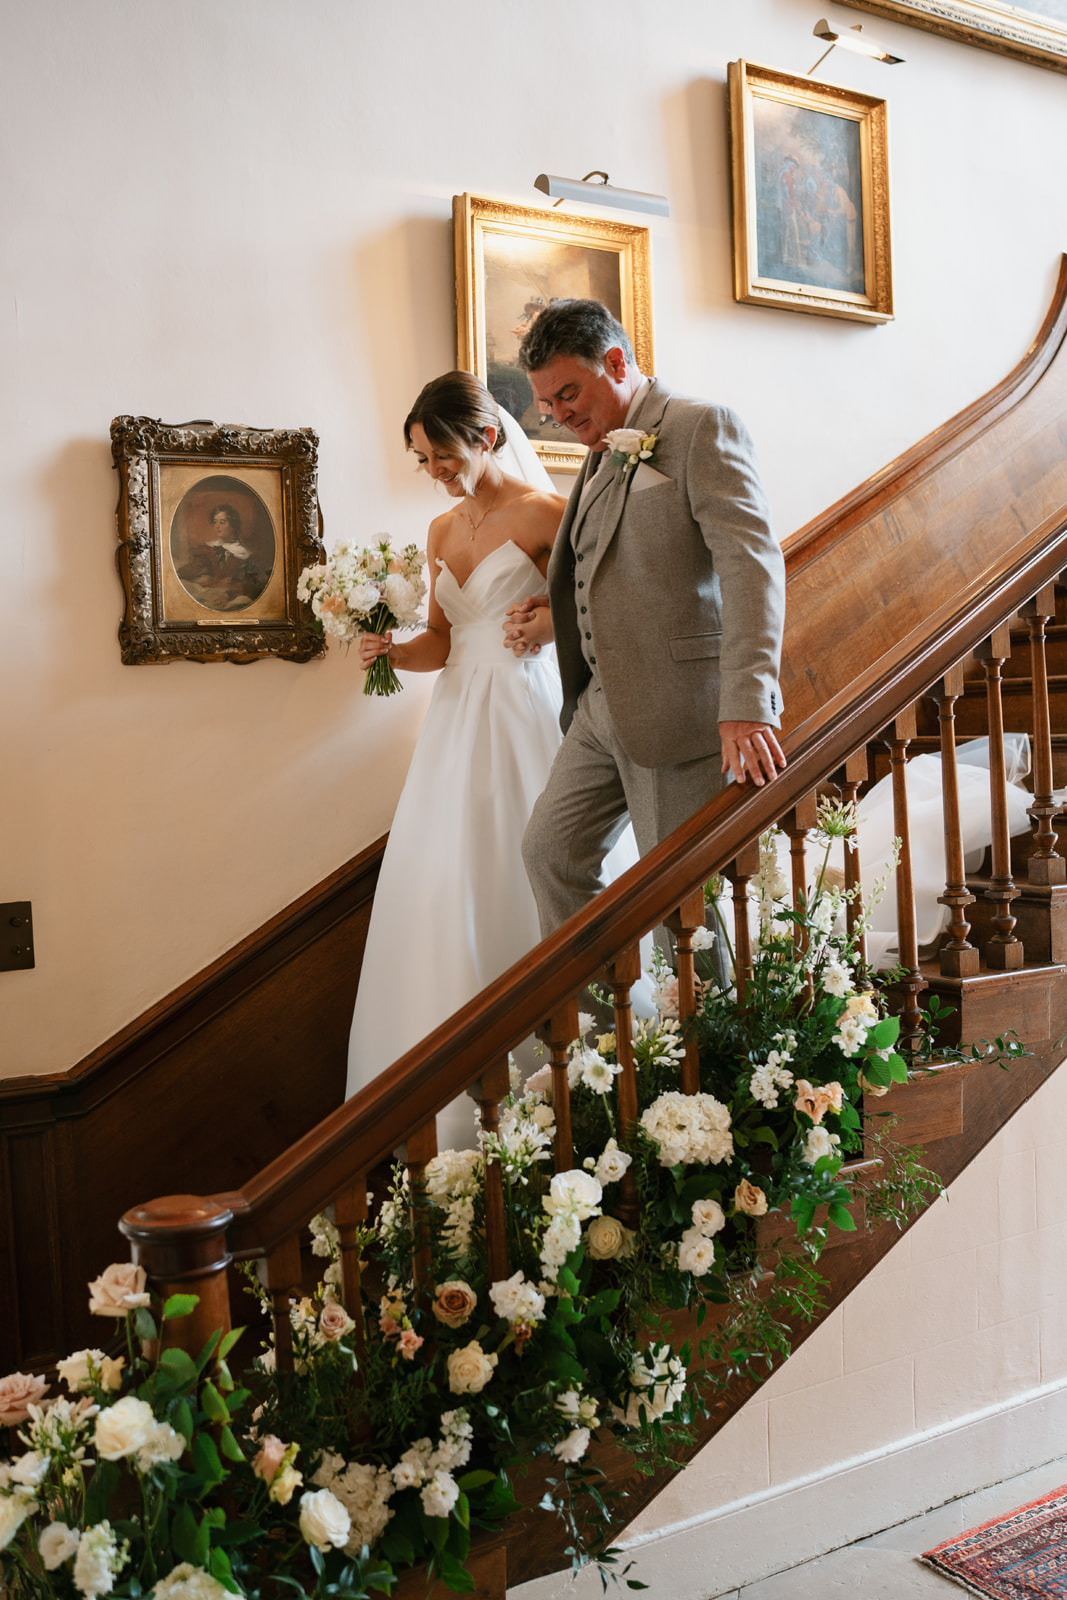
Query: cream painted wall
[242, 211]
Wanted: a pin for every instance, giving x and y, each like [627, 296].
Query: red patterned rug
[1022, 1556]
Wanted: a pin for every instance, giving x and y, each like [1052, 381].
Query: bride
[453, 908]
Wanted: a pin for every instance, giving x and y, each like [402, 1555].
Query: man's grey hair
[584, 329]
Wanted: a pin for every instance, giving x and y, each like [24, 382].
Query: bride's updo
[454, 412]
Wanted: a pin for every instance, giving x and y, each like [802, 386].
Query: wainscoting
[199, 1093]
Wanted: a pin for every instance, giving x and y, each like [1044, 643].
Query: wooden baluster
[741, 874]
[958, 958]
[911, 984]
[796, 826]
[683, 923]
[284, 1274]
[490, 1089]
[559, 1033]
[1046, 865]
[350, 1214]
[180, 1241]
[622, 974]
[417, 1153]
[855, 772]
[1004, 950]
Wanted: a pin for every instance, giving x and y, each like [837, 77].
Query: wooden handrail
[836, 710]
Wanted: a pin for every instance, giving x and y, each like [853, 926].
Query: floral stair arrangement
[400, 1429]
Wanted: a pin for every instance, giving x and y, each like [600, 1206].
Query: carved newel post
[180, 1241]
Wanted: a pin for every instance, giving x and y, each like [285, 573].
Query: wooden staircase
[890, 596]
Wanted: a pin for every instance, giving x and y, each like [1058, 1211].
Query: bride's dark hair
[454, 411]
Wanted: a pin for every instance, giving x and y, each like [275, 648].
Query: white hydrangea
[689, 1128]
[187, 1582]
[364, 1491]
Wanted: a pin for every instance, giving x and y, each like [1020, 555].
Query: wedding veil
[519, 459]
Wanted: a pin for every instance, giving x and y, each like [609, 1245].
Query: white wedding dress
[453, 908]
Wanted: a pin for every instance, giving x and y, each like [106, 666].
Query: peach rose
[269, 1458]
[470, 1369]
[749, 1199]
[409, 1344]
[118, 1290]
[454, 1303]
[18, 1392]
[334, 1321]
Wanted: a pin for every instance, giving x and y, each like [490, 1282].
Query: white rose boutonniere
[628, 446]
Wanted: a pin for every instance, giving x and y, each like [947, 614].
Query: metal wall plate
[16, 935]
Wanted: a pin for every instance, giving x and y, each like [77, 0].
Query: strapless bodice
[476, 608]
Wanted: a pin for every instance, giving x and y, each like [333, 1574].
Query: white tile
[966, 1215]
[1053, 1322]
[816, 1428]
[1017, 1194]
[859, 1572]
[730, 1467]
[1022, 1275]
[969, 1374]
[1051, 1185]
[892, 1316]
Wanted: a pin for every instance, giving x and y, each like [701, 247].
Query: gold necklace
[476, 525]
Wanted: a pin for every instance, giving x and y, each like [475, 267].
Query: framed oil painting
[215, 525]
[511, 262]
[810, 196]
[1035, 32]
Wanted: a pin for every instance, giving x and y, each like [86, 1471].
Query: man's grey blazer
[685, 591]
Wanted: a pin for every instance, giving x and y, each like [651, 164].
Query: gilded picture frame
[511, 261]
[215, 525]
[810, 167]
[1035, 33]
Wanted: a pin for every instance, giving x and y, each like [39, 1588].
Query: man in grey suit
[667, 595]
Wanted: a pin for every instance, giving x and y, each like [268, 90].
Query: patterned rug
[1022, 1556]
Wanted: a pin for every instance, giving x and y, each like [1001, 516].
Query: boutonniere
[628, 446]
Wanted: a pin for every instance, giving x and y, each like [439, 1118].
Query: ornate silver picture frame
[215, 524]
[1035, 33]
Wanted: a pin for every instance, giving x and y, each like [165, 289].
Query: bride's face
[434, 459]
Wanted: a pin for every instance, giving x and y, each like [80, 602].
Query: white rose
[118, 1290]
[696, 1254]
[626, 440]
[607, 1238]
[57, 1544]
[703, 938]
[439, 1495]
[574, 1446]
[324, 1520]
[708, 1217]
[123, 1428]
[470, 1369]
[613, 1163]
[575, 1191]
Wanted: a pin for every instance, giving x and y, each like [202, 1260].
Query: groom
[667, 594]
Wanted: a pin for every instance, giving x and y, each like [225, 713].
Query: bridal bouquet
[367, 590]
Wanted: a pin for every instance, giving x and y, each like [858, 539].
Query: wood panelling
[199, 1093]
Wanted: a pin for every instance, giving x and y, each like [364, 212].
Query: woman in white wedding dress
[453, 908]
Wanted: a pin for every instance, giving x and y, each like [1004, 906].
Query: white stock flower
[324, 1522]
[57, 1543]
[14, 1509]
[574, 1446]
[440, 1494]
[703, 938]
[29, 1468]
[837, 979]
[612, 1163]
[98, 1560]
[586, 1023]
[578, 1408]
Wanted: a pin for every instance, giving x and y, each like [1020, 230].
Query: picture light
[852, 40]
[601, 193]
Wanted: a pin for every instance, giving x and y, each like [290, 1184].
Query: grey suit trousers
[593, 788]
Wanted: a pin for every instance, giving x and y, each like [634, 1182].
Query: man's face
[589, 403]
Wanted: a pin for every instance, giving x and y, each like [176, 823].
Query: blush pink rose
[269, 1458]
[118, 1290]
[334, 1321]
[409, 1343]
[18, 1392]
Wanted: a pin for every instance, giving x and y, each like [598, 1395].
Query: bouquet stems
[381, 678]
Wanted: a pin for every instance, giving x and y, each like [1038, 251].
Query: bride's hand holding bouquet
[364, 593]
